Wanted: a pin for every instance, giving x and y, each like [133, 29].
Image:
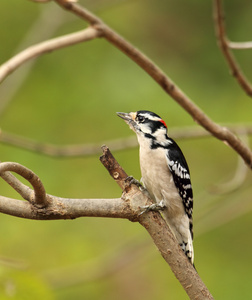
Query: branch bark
[38, 198]
[162, 79]
[160, 234]
[128, 206]
[193, 132]
[225, 46]
[240, 45]
[48, 46]
[42, 206]
[44, 27]
[99, 28]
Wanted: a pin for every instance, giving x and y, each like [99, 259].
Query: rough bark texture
[41, 206]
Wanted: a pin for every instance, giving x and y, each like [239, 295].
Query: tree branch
[44, 27]
[238, 178]
[128, 206]
[192, 132]
[98, 29]
[42, 206]
[48, 46]
[66, 208]
[240, 45]
[163, 80]
[128, 253]
[39, 197]
[160, 234]
[225, 46]
[66, 150]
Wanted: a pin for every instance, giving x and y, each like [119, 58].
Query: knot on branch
[132, 189]
[113, 167]
[37, 197]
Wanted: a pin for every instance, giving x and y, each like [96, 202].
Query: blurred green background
[70, 96]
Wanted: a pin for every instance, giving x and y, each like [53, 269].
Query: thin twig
[107, 264]
[193, 132]
[17, 185]
[66, 150]
[100, 267]
[48, 46]
[99, 28]
[240, 45]
[238, 178]
[236, 181]
[129, 206]
[42, 206]
[13, 263]
[163, 80]
[224, 44]
[43, 28]
[223, 212]
[39, 191]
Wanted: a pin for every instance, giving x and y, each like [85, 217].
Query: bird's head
[145, 123]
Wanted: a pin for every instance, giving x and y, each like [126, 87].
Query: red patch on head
[163, 122]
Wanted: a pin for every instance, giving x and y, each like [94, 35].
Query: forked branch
[128, 206]
[38, 198]
[162, 79]
[226, 46]
[100, 29]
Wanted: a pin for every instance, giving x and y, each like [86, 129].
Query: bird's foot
[153, 207]
[132, 180]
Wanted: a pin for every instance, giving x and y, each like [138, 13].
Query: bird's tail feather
[183, 236]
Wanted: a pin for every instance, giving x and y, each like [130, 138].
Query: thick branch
[163, 80]
[42, 206]
[170, 250]
[160, 233]
[129, 206]
[99, 28]
[225, 46]
[66, 208]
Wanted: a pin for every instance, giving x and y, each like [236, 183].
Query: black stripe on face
[149, 136]
[155, 125]
[151, 119]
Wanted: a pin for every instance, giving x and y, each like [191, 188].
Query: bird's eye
[140, 119]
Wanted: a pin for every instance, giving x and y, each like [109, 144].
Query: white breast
[158, 180]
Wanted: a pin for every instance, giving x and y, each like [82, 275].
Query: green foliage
[23, 285]
[71, 97]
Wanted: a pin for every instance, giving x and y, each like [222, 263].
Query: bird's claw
[131, 180]
[153, 207]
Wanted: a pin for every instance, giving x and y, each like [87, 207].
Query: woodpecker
[165, 174]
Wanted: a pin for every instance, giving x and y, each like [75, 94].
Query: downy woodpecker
[165, 174]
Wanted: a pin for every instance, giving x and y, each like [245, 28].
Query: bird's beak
[129, 118]
[125, 116]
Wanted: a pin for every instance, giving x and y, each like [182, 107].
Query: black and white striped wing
[181, 177]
